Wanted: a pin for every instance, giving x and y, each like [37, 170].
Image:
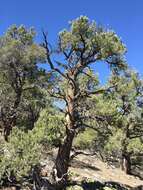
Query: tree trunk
[7, 131]
[63, 156]
[11, 121]
[59, 175]
[126, 163]
[126, 156]
[8, 127]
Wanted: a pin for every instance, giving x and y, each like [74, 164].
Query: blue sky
[124, 16]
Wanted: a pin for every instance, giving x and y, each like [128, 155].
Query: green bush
[85, 139]
[19, 155]
[49, 128]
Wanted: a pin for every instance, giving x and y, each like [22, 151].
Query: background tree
[81, 46]
[99, 120]
[20, 76]
[114, 122]
[127, 131]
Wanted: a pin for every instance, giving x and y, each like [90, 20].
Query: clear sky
[124, 16]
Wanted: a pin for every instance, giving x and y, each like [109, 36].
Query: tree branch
[45, 45]
[89, 93]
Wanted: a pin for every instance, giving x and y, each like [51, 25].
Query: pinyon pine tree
[127, 131]
[19, 74]
[81, 46]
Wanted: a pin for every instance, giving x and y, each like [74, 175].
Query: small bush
[18, 156]
[85, 139]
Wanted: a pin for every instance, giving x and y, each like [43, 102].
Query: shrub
[85, 139]
[18, 156]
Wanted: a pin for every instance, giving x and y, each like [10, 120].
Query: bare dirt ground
[90, 167]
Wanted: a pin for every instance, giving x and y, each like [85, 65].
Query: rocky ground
[89, 168]
[90, 173]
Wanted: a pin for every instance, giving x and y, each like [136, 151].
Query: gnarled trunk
[63, 156]
[60, 171]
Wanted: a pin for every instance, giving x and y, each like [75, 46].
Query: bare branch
[45, 45]
[99, 91]
[58, 95]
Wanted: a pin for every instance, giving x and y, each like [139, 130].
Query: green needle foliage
[18, 156]
[50, 127]
[19, 74]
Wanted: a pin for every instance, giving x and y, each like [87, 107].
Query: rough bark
[63, 156]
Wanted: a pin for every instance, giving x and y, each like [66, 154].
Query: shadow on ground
[96, 185]
[83, 165]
